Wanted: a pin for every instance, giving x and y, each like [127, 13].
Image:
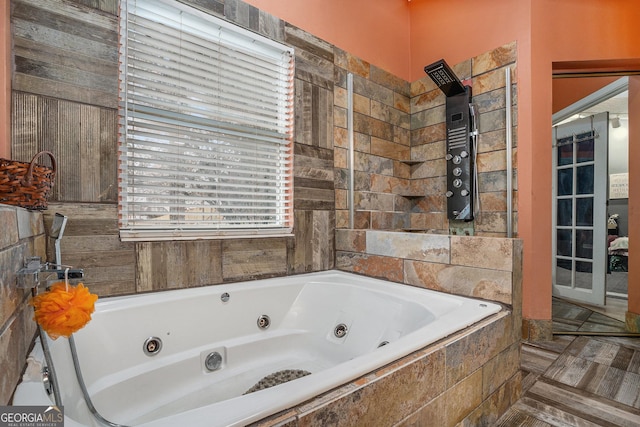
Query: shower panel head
[443, 76]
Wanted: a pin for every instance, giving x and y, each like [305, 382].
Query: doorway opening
[590, 217]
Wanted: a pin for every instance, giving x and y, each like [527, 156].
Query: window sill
[170, 235]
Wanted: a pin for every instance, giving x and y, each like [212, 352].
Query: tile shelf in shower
[411, 162]
[410, 195]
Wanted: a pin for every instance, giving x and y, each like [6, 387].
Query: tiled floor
[579, 381]
[571, 318]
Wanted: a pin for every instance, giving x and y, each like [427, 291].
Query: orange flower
[63, 310]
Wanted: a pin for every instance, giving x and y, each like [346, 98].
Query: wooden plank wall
[65, 94]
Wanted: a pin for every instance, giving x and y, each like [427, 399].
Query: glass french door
[580, 178]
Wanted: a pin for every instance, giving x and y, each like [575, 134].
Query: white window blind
[206, 126]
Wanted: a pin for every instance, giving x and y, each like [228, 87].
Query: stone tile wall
[480, 267]
[382, 139]
[468, 379]
[22, 236]
[485, 73]
[399, 144]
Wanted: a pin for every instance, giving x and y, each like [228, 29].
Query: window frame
[267, 202]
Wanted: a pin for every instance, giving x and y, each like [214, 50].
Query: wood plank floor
[579, 381]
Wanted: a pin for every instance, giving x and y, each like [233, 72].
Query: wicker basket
[26, 184]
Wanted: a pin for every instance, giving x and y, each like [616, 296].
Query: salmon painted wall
[374, 30]
[456, 30]
[568, 91]
[597, 30]
[5, 80]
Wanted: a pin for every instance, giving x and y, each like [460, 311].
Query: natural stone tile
[489, 101]
[424, 135]
[340, 97]
[339, 118]
[431, 116]
[495, 58]
[430, 168]
[429, 151]
[424, 84]
[499, 369]
[371, 265]
[401, 170]
[362, 142]
[492, 80]
[431, 414]
[423, 274]
[389, 114]
[431, 186]
[430, 203]
[351, 240]
[388, 149]
[491, 121]
[466, 355]
[341, 158]
[390, 81]
[401, 102]
[9, 220]
[402, 136]
[492, 181]
[14, 342]
[492, 222]
[388, 184]
[373, 201]
[463, 398]
[424, 247]
[342, 199]
[362, 181]
[429, 221]
[361, 104]
[490, 411]
[358, 66]
[492, 141]
[494, 202]
[480, 283]
[427, 100]
[497, 254]
[410, 385]
[463, 69]
[373, 164]
[492, 161]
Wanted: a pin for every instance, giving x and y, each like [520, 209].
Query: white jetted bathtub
[215, 343]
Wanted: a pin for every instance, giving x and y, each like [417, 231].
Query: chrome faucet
[35, 272]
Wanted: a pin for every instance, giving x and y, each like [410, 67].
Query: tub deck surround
[387, 325]
[481, 267]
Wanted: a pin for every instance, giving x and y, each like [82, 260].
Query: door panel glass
[584, 274]
[584, 211]
[565, 154]
[585, 151]
[565, 212]
[564, 241]
[585, 179]
[565, 182]
[584, 244]
[563, 272]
